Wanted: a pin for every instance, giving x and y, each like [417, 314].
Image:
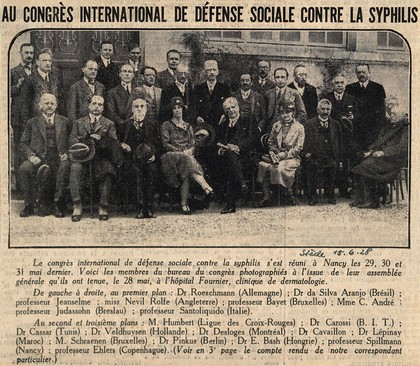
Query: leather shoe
[103, 217]
[145, 214]
[76, 218]
[27, 211]
[372, 205]
[58, 211]
[332, 201]
[311, 201]
[44, 210]
[185, 210]
[229, 208]
[356, 203]
[263, 203]
[209, 193]
[292, 201]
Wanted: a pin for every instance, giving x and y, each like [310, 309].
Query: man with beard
[371, 99]
[306, 90]
[180, 88]
[44, 146]
[81, 92]
[322, 152]
[108, 156]
[261, 82]
[234, 141]
[141, 143]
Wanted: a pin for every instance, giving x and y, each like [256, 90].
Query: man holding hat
[44, 146]
[96, 129]
[141, 143]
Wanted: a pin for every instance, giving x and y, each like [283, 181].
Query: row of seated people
[57, 156]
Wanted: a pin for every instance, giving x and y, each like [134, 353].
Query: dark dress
[393, 141]
[177, 164]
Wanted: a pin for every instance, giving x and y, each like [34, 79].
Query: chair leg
[400, 178]
[397, 190]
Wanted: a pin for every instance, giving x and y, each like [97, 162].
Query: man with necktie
[94, 127]
[107, 69]
[82, 91]
[371, 99]
[261, 82]
[322, 152]
[44, 147]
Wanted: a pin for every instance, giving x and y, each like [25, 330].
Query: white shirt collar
[43, 74]
[245, 94]
[106, 61]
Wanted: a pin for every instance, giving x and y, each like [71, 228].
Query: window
[262, 36]
[226, 35]
[326, 38]
[290, 36]
[389, 40]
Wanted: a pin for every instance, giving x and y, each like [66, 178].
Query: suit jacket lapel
[58, 128]
[41, 126]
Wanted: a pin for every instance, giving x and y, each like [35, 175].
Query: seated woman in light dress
[284, 145]
[178, 163]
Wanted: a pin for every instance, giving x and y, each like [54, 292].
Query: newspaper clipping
[209, 183]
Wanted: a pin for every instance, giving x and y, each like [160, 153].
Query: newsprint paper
[304, 281]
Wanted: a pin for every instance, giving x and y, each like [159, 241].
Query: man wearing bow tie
[44, 146]
[108, 156]
[82, 91]
[107, 69]
[141, 143]
[371, 99]
[117, 106]
[322, 152]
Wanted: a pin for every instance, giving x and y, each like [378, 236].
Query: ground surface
[303, 225]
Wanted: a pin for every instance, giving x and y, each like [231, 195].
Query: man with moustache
[44, 146]
[234, 142]
[117, 106]
[261, 82]
[344, 109]
[107, 69]
[180, 88]
[371, 99]
[210, 95]
[275, 96]
[108, 156]
[322, 152]
[141, 143]
[167, 77]
[251, 103]
[39, 82]
[81, 92]
[306, 90]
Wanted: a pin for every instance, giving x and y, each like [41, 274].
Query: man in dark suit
[82, 91]
[134, 59]
[117, 106]
[167, 77]
[322, 152]
[344, 109]
[234, 142]
[149, 92]
[107, 69]
[39, 82]
[17, 76]
[261, 82]
[306, 91]
[182, 88]
[108, 156]
[371, 99]
[251, 103]
[44, 146]
[210, 96]
[141, 142]
[281, 92]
